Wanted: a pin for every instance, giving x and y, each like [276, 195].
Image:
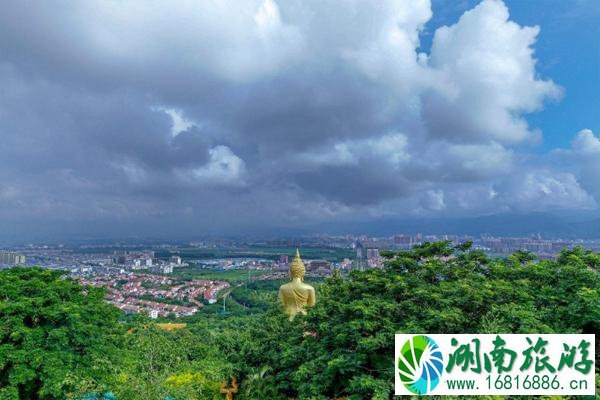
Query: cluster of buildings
[156, 296]
[145, 260]
[315, 268]
[367, 248]
[9, 259]
[367, 257]
[224, 264]
[535, 244]
[85, 260]
[350, 251]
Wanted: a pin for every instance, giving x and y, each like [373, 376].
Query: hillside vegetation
[343, 348]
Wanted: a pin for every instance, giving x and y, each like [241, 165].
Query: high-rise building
[360, 251]
[176, 260]
[162, 269]
[361, 259]
[372, 252]
[403, 241]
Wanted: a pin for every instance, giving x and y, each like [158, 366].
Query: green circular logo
[420, 364]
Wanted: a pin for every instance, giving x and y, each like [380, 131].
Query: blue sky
[568, 52]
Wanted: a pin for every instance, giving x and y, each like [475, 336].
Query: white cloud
[481, 161]
[179, 122]
[183, 40]
[546, 189]
[585, 156]
[224, 168]
[441, 161]
[391, 57]
[486, 76]
[391, 148]
[433, 200]
[134, 172]
[586, 143]
[267, 18]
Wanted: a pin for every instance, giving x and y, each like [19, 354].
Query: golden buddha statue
[296, 295]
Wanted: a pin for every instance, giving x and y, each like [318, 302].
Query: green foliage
[257, 296]
[344, 347]
[56, 338]
[178, 363]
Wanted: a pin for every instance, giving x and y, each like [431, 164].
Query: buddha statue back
[296, 295]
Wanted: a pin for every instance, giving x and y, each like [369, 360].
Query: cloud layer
[274, 113]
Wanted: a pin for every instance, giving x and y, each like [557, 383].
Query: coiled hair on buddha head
[297, 269]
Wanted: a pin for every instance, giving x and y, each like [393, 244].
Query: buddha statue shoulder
[296, 295]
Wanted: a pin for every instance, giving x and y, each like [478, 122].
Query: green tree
[344, 347]
[182, 364]
[56, 337]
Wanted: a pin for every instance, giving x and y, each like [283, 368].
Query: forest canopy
[343, 348]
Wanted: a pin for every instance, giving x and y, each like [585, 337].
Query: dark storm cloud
[354, 185]
[274, 113]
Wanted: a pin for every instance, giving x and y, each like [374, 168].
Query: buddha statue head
[297, 269]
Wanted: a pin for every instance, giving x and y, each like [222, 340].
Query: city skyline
[118, 120]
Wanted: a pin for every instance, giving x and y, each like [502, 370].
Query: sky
[212, 117]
